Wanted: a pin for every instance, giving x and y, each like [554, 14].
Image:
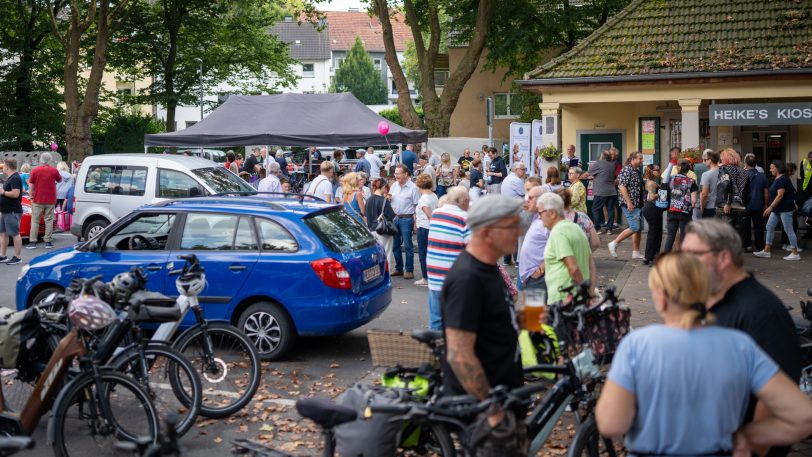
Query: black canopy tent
[288, 120]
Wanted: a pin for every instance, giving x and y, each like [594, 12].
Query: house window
[126, 91]
[440, 77]
[307, 70]
[377, 63]
[507, 106]
[675, 133]
[339, 61]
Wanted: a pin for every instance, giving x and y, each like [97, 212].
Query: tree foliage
[170, 40]
[31, 111]
[122, 129]
[357, 74]
[393, 114]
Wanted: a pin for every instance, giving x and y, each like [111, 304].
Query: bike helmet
[125, 283]
[89, 312]
[191, 285]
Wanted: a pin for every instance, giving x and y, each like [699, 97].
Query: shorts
[633, 217]
[10, 223]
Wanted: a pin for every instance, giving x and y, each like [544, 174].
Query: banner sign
[761, 114]
[519, 136]
[539, 134]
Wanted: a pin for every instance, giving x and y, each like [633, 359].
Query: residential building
[689, 74]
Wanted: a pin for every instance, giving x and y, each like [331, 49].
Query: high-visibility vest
[806, 172]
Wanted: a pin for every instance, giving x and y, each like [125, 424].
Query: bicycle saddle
[324, 412]
[428, 336]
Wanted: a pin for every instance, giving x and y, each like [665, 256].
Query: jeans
[535, 283]
[784, 237]
[708, 213]
[422, 249]
[39, 210]
[598, 203]
[441, 190]
[674, 222]
[756, 239]
[786, 220]
[404, 238]
[435, 313]
[654, 237]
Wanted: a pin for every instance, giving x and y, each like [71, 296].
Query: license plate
[372, 273]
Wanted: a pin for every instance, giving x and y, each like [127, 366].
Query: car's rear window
[222, 181]
[339, 231]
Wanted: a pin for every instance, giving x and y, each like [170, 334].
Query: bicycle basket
[18, 331]
[602, 331]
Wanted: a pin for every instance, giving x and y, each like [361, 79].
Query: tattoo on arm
[465, 364]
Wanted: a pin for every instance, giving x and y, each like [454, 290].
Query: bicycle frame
[70, 347]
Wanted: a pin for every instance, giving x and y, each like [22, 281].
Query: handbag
[384, 226]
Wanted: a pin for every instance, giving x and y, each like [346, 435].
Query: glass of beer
[533, 308]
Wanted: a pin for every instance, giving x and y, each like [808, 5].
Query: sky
[343, 5]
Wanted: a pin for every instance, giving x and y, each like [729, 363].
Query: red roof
[344, 26]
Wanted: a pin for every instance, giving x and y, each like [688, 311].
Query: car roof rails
[300, 197]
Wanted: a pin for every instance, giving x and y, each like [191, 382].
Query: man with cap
[362, 164]
[567, 253]
[481, 331]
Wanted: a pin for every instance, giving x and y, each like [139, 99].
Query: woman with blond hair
[446, 174]
[353, 197]
[682, 387]
[63, 186]
[577, 189]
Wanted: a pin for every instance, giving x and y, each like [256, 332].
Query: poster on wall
[649, 139]
[519, 143]
[539, 134]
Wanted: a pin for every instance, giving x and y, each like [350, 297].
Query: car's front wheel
[269, 328]
[94, 228]
[44, 293]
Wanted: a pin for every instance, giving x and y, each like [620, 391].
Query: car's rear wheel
[94, 228]
[269, 328]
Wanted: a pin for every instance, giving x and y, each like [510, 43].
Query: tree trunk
[405, 106]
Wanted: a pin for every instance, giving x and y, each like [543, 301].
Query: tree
[425, 17]
[358, 75]
[84, 29]
[31, 111]
[170, 40]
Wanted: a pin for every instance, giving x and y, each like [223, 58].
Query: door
[141, 241]
[227, 249]
[592, 144]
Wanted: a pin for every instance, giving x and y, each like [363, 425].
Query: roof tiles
[679, 36]
[344, 26]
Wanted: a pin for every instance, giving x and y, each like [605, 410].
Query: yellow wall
[468, 119]
[606, 117]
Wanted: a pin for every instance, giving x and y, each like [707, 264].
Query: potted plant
[549, 156]
[694, 155]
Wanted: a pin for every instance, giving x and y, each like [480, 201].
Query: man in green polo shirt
[567, 254]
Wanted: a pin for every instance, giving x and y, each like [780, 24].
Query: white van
[112, 185]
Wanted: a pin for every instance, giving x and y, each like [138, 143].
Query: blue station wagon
[276, 268]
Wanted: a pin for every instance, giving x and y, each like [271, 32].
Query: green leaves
[358, 75]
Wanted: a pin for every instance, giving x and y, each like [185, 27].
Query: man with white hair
[531, 253]
[271, 183]
[448, 236]
[375, 164]
[363, 164]
[42, 188]
[283, 163]
[513, 185]
[567, 253]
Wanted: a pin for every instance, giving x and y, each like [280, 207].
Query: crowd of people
[50, 191]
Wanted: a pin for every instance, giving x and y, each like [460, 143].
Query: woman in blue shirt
[682, 387]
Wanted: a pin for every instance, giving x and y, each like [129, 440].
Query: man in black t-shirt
[497, 171]
[481, 330]
[739, 301]
[11, 211]
[465, 161]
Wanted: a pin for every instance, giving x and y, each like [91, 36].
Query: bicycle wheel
[587, 442]
[89, 418]
[426, 439]
[171, 382]
[230, 374]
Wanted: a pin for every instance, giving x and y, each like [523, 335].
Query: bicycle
[97, 402]
[804, 333]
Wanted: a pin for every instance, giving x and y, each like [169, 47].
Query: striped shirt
[448, 236]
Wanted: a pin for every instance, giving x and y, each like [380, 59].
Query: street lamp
[200, 84]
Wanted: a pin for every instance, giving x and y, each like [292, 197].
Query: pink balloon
[54, 147]
[383, 127]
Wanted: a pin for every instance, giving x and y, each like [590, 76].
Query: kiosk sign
[761, 114]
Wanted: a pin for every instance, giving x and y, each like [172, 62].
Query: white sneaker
[789, 248]
[636, 255]
[793, 257]
[421, 282]
[612, 248]
[763, 254]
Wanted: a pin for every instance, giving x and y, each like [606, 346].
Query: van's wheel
[269, 328]
[94, 228]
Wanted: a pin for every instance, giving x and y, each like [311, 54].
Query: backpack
[680, 194]
[369, 435]
[18, 332]
[663, 196]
